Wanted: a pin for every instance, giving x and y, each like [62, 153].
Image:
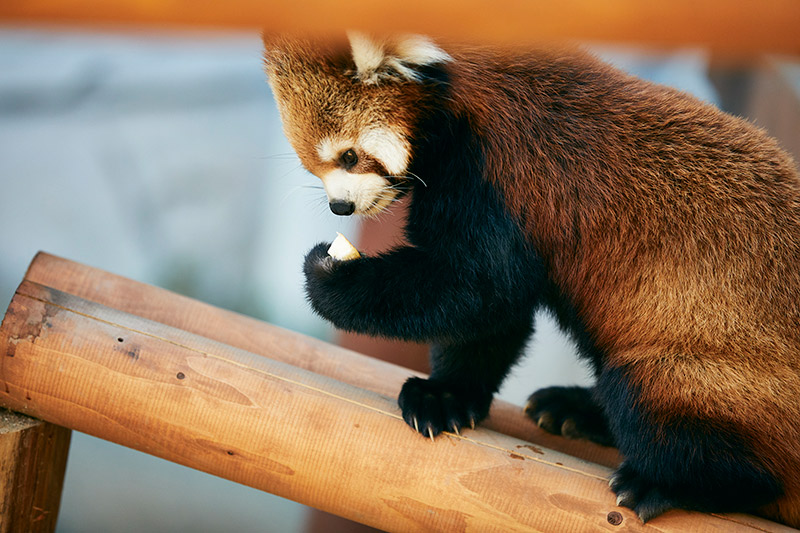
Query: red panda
[662, 233]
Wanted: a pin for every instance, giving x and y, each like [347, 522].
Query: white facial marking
[386, 146]
[329, 149]
[368, 192]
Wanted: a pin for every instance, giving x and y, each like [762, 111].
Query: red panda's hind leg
[679, 460]
[636, 493]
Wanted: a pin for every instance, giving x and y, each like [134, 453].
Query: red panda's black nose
[342, 207]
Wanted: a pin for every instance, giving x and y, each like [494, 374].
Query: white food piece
[342, 250]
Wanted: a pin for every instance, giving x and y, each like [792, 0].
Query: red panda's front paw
[319, 269]
[432, 407]
[318, 262]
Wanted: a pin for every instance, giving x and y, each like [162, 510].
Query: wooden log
[265, 339]
[291, 432]
[738, 27]
[33, 458]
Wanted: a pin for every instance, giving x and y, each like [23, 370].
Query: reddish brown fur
[674, 227]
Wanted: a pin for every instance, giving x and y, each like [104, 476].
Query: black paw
[571, 412]
[431, 407]
[318, 262]
[635, 492]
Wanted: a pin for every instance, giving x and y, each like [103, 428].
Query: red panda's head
[349, 110]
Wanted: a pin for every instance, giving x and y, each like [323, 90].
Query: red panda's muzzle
[342, 207]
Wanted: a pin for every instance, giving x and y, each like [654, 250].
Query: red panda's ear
[395, 57]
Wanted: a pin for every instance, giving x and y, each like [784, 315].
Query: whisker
[420, 179]
[286, 156]
[288, 194]
[295, 189]
[321, 206]
[290, 171]
[409, 176]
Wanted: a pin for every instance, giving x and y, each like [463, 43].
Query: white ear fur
[376, 59]
[368, 54]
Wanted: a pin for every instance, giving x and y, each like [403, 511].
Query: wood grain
[279, 344]
[295, 433]
[33, 458]
[736, 27]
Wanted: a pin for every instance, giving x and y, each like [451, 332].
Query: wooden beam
[33, 458]
[261, 338]
[294, 433]
[737, 27]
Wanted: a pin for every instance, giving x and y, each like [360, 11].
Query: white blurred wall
[161, 158]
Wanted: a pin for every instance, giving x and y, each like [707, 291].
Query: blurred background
[160, 157]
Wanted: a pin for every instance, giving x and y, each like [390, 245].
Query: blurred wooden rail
[736, 27]
[274, 426]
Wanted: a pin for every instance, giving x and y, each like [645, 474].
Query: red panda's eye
[348, 159]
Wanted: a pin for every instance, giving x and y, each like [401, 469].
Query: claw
[626, 499]
[430, 433]
[416, 425]
[529, 407]
[472, 422]
[455, 429]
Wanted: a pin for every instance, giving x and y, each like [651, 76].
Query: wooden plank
[282, 429]
[33, 458]
[738, 27]
[265, 339]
